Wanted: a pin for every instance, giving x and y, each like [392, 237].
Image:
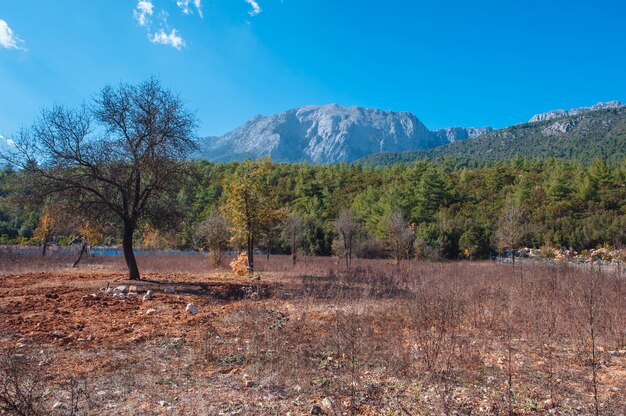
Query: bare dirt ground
[425, 338]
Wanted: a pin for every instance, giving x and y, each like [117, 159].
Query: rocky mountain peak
[322, 134]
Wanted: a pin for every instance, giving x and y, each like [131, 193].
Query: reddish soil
[167, 361]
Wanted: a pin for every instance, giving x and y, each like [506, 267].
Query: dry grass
[425, 338]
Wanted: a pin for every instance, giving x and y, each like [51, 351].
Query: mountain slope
[327, 134]
[455, 134]
[584, 136]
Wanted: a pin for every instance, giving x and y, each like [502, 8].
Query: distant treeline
[453, 211]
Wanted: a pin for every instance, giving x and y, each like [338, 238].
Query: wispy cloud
[172, 39]
[256, 9]
[143, 11]
[145, 14]
[8, 39]
[6, 140]
[185, 7]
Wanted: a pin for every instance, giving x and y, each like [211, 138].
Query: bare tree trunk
[83, 249]
[592, 321]
[44, 247]
[250, 253]
[349, 260]
[129, 255]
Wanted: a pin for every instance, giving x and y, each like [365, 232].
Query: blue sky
[467, 63]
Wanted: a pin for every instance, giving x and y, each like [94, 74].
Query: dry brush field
[426, 338]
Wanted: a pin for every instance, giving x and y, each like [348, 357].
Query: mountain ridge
[585, 136]
[332, 133]
[552, 114]
[328, 134]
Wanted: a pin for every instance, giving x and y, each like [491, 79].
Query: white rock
[575, 111]
[120, 289]
[192, 309]
[148, 295]
[150, 311]
[328, 406]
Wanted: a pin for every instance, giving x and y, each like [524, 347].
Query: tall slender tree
[250, 205]
[348, 227]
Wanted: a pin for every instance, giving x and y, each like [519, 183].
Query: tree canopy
[114, 159]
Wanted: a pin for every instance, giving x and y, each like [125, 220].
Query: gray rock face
[455, 134]
[576, 111]
[327, 134]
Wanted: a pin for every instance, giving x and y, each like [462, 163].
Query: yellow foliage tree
[44, 230]
[53, 222]
[250, 205]
[90, 234]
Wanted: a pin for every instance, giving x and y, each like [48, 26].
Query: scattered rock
[122, 296]
[91, 297]
[148, 295]
[132, 289]
[191, 308]
[328, 406]
[170, 290]
[247, 381]
[120, 289]
[58, 405]
[57, 334]
[163, 403]
[316, 410]
[21, 343]
[150, 311]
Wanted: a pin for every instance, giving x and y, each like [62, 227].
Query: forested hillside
[583, 137]
[451, 211]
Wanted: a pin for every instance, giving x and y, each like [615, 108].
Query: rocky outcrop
[576, 111]
[455, 134]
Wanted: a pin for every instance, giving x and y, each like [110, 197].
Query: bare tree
[213, 234]
[293, 234]
[510, 233]
[116, 159]
[348, 227]
[399, 236]
[592, 300]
